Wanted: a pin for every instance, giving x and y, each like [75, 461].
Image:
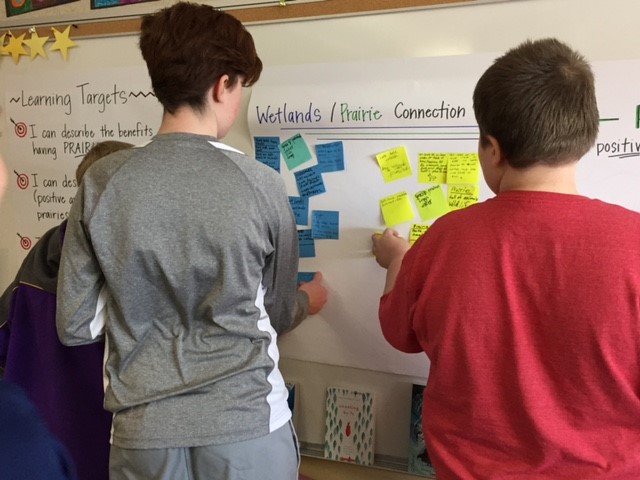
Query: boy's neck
[541, 178]
[186, 120]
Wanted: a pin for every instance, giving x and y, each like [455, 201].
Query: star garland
[63, 42]
[36, 45]
[14, 46]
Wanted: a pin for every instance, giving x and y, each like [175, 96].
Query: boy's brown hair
[99, 150]
[187, 47]
[538, 101]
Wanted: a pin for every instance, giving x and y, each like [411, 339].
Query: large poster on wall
[50, 126]
[404, 137]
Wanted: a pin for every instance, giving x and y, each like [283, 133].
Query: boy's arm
[287, 304]
[395, 308]
[311, 298]
[79, 284]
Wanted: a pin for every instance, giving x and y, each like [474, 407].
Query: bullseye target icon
[22, 180]
[17, 3]
[25, 242]
[20, 128]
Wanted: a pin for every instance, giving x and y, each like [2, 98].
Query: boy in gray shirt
[197, 246]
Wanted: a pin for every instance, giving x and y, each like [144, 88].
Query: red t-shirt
[528, 307]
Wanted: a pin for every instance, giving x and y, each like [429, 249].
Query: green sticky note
[461, 196]
[396, 209]
[394, 164]
[295, 151]
[431, 203]
[463, 168]
[432, 167]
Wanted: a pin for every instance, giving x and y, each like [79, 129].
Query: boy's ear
[496, 156]
[219, 88]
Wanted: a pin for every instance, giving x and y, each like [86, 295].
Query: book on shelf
[349, 435]
[419, 462]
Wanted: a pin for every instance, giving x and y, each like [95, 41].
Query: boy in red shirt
[528, 304]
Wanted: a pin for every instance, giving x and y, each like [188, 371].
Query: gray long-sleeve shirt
[197, 246]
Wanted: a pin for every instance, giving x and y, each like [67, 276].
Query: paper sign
[431, 203]
[396, 209]
[394, 164]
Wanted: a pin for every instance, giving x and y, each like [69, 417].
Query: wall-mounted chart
[405, 137]
[51, 125]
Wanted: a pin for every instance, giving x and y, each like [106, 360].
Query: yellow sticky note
[396, 209]
[416, 231]
[432, 167]
[461, 196]
[394, 164]
[431, 203]
[463, 168]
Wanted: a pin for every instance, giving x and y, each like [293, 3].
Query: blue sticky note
[300, 207]
[268, 151]
[325, 224]
[307, 244]
[304, 277]
[309, 182]
[295, 151]
[330, 157]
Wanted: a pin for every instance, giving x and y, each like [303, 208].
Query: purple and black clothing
[64, 383]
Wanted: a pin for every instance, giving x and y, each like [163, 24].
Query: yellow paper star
[2, 45]
[36, 45]
[15, 48]
[63, 42]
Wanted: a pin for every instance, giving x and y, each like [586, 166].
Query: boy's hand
[316, 292]
[388, 246]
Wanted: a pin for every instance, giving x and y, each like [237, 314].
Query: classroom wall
[602, 30]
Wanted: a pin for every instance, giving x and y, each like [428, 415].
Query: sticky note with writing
[461, 196]
[431, 203]
[300, 207]
[309, 182]
[432, 167]
[463, 168]
[396, 209]
[394, 164]
[416, 231]
[330, 157]
[268, 151]
[325, 224]
[306, 244]
[295, 151]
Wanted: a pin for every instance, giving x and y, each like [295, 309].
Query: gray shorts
[272, 457]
